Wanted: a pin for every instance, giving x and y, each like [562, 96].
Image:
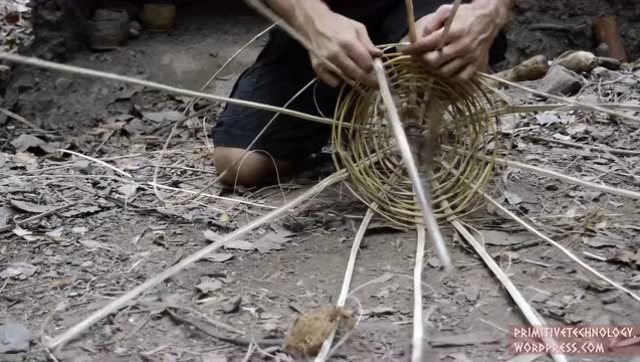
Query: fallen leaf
[209, 286]
[472, 293]
[94, 244]
[18, 269]
[6, 213]
[55, 234]
[512, 198]
[379, 311]
[81, 211]
[25, 142]
[135, 127]
[128, 191]
[241, 245]
[80, 230]
[501, 238]
[576, 129]
[627, 257]
[264, 245]
[599, 242]
[213, 357]
[25, 234]
[29, 207]
[171, 116]
[561, 137]
[211, 236]
[27, 160]
[219, 257]
[5, 158]
[549, 118]
[53, 147]
[16, 338]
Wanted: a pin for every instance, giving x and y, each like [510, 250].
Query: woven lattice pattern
[467, 125]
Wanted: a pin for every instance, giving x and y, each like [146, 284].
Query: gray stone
[605, 74]
[15, 338]
[133, 33]
[561, 81]
[609, 63]
[63, 84]
[602, 50]
[136, 26]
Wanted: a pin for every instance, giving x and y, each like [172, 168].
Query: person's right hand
[343, 42]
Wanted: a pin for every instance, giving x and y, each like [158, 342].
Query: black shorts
[282, 69]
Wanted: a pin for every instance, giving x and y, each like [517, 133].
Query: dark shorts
[282, 69]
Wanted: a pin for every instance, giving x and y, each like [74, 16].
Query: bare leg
[256, 169]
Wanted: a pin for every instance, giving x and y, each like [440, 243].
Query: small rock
[63, 84]
[133, 33]
[86, 264]
[602, 50]
[434, 262]
[232, 305]
[15, 338]
[609, 63]
[605, 74]
[472, 292]
[135, 26]
[561, 81]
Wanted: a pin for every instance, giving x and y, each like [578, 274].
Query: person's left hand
[468, 41]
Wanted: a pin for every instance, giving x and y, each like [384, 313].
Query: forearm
[499, 8]
[298, 13]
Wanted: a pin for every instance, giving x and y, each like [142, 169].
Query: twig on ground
[615, 151]
[561, 99]
[346, 284]
[529, 313]
[155, 85]
[36, 217]
[553, 174]
[187, 261]
[534, 231]
[263, 206]
[22, 120]
[238, 341]
[123, 173]
[418, 322]
[564, 250]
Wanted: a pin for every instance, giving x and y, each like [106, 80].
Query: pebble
[15, 338]
[561, 81]
[87, 264]
[232, 305]
[63, 84]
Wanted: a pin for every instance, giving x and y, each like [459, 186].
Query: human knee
[240, 168]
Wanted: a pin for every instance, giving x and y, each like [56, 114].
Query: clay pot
[109, 29]
[111, 14]
[158, 17]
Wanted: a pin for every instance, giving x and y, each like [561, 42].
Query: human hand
[473, 30]
[343, 42]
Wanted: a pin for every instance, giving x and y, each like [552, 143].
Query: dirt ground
[107, 232]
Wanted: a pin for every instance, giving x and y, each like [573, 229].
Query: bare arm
[342, 41]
